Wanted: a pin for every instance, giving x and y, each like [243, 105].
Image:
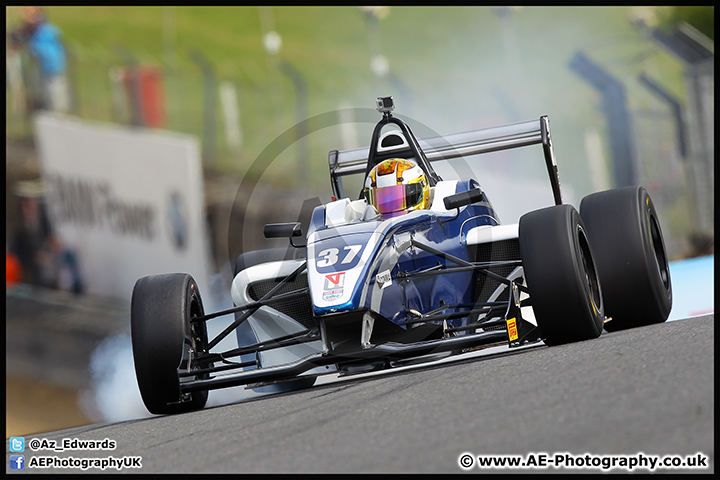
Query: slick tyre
[632, 262]
[245, 334]
[162, 336]
[561, 276]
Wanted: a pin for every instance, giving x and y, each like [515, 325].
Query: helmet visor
[396, 197]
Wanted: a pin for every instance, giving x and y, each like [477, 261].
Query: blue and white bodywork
[370, 291]
[376, 277]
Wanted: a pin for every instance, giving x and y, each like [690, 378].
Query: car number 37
[330, 256]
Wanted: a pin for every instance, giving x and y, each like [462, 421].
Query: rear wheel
[163, 338]
[561, 276]
[627, 241]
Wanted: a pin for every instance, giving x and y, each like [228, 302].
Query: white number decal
[353, 251]
[329, 256]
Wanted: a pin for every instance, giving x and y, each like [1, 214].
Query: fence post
[674, 105]
[231, 114]
[697, 54]
[301, 114]
[133, 84]
[209, 87]
[616, 114]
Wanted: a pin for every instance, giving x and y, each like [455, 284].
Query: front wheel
[626, 238]
[164, 339]
[561, 276]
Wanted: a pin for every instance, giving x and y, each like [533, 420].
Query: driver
[397, 186]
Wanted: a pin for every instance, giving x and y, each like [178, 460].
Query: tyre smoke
[113, 394]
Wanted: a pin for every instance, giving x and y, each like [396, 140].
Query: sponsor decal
[93, 205]
[383, 279]
[512, 329]
[334, 283]
[332, 295]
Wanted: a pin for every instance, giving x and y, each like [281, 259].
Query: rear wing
[446, 147]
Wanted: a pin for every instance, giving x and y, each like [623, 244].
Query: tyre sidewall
[551, 243]
[161, 308]
[620, 223]
[656, 258]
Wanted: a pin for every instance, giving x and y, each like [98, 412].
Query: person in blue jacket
[44, 43]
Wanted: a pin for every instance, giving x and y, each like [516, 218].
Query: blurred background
[149, 139]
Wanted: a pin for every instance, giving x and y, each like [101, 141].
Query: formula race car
[413, 268]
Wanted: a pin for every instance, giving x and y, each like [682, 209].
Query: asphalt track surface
[645, 391]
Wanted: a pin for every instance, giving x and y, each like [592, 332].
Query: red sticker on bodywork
[336, 278]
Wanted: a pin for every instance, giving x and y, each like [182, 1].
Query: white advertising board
[129, 201]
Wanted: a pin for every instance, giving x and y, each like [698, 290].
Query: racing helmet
[397, 185]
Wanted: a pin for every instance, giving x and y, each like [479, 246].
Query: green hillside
[451, 68]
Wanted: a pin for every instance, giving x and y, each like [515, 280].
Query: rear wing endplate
[447, 147]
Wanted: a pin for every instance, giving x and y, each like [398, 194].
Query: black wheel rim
[196, 339]
[592, 282]
[658, 249]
